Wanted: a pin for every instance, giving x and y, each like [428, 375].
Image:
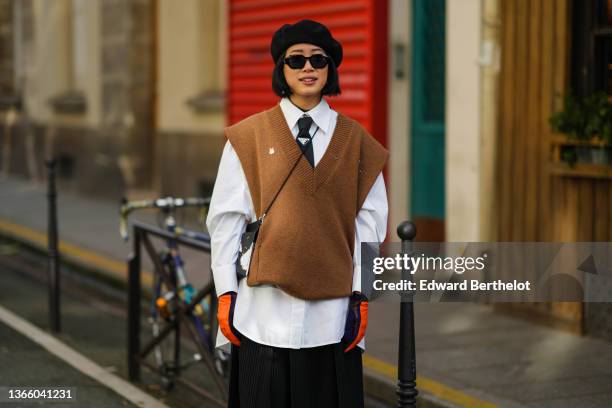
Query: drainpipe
[489, 73]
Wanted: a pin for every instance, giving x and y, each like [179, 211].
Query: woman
[297, 322]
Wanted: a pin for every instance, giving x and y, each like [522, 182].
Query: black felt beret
[305, 31]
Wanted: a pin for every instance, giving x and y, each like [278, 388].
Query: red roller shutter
[361, 27]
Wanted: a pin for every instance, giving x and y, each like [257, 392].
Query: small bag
[249, 237]
[247, 242]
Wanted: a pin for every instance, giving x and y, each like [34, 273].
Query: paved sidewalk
[21, 360]
[467, 355]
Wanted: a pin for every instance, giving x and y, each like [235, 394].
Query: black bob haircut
[282, 89]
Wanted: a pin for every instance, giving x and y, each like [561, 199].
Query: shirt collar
[320, 114]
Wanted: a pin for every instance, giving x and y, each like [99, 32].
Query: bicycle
[172, 294]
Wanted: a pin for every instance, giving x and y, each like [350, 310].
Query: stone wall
[127, 87]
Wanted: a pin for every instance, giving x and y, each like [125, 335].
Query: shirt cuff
[356, 278]
[225, 279]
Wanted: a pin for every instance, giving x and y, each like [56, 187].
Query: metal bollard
[134, 309]
[53, 252]
[406, 384]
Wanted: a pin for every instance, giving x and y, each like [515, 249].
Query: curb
[384, 389]
[101, 274]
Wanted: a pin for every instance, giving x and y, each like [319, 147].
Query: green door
[427, 152]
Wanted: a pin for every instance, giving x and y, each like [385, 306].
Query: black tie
[304, 140]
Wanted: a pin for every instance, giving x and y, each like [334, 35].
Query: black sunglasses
[298, 61]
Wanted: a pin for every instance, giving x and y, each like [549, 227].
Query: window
[210, 96]
[72, 100]
[11, 56]
[591, 69]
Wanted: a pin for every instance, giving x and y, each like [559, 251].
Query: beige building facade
[129, 96]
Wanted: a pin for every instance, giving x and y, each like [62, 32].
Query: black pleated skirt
[271, 377]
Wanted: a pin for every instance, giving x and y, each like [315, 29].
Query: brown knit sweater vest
[306, 242]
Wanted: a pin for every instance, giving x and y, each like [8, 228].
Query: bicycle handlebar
[168, 203]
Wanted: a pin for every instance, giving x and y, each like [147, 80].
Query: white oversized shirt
[266, 314]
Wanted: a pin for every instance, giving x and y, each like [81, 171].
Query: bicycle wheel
[213, 361]
[184, 338]
[166, 353]
[207, 327]
[222, 358]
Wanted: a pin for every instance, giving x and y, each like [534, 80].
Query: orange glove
[225, 316]
[356, 320]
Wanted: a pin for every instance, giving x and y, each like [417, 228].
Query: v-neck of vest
[320, 173]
